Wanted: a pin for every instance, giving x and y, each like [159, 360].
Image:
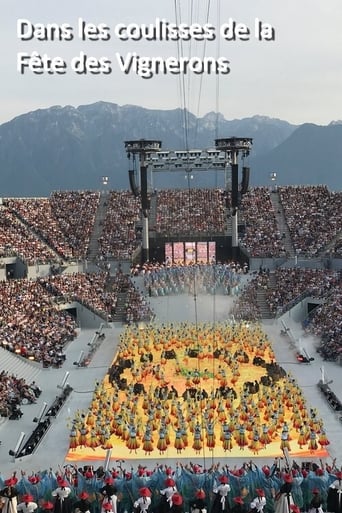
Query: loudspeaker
[132, 183]
[145, 204]
[245, 180]
[235, 186]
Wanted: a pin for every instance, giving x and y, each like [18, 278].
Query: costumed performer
[221, 502]
[27, 505]
[334, 501]
[83, 505]
[144, 502]
[199, 505]
[167, 495]
[62, 497]
[259, 502]
[109, 495]
[177, 503]
[9, 496]
[283, 499]
[315, 505]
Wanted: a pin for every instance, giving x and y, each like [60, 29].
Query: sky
[293, 73]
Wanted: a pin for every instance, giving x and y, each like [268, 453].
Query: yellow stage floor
[199, 360]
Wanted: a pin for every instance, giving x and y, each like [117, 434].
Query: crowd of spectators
[16, 239]
[64, 221]
[292, 284]
[137, 307]
[119, 237]
[30, 324]
[286, 287]
[326, 323]
[304, 482]
[186, 211]
[246, 305]
[262, 237]
[313, 215]
[89, 289]
[14, 391]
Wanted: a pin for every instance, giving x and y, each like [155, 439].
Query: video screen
[190, 252]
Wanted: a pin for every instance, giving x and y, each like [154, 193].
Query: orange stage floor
[202, 359]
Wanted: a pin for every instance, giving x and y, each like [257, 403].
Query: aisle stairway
[97, 228]
[282, 224]
[262, 302]
[119, 314]
[19, 366]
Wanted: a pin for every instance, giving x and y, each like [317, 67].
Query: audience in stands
[326, 323]
[262, 237]
[313, 215]
[90, 289]
[64, 221]
[13, 391]
[16, 239]
[187, 211]
[30, 324]
[290, 285]
[118, 238]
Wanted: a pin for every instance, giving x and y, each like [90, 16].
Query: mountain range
[69, 148]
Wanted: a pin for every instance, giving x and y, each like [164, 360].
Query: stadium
[189, 331]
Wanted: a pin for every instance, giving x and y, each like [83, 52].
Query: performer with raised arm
[221, 502]
[259, 502]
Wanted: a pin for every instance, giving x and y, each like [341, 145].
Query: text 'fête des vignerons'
[39, 62]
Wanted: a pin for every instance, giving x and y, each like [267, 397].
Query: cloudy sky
[296, 77]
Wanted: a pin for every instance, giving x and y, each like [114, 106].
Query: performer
[283, 499]
[47, 506]
[316, 502]
[109, 495]
[27, 505]
[9, 496]
[167, 493]
[83, 505]
[62, 495]
[259, 502]
[221, 503]
[239, 505]
[143, 503]
[177, 503]
[199, 505]
[334, 501]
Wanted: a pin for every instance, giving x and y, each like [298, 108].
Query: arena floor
[53, 450]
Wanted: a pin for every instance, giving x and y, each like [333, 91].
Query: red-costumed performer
[177, 505]
[221, 500]
[142, 504]
[198, 505]
[27, 504]
[315, 505]
[110, 500]
[283, 499]
[259, 502]
[167, 494]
